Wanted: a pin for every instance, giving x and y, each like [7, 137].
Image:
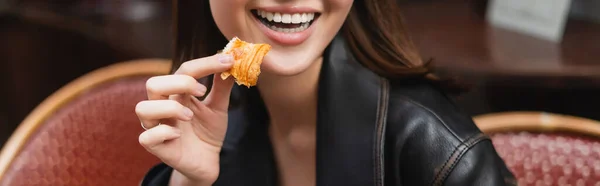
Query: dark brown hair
[373, 29]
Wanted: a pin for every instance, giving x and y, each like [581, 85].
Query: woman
[343, 99]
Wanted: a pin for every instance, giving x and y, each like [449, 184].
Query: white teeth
[286, 18]
[296, 18]
[277, 17]
[303, 27]
[304, 18]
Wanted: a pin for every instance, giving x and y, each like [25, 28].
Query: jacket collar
[350, 128]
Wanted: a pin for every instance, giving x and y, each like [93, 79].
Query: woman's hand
[191, 132]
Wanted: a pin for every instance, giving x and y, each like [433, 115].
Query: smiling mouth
[286, 23]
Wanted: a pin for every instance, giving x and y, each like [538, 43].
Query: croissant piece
[248, 57]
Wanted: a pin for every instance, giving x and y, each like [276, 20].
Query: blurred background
[45, 44]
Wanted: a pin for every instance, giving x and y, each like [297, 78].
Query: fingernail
[188, 113]
[177, 131]
[200, 90]
[225, 58]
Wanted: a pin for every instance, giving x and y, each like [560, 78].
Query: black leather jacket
[370, 131]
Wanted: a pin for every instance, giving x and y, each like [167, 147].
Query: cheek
[340, 5]
[228, 15]
[339, 10]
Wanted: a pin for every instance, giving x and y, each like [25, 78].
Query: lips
[286, 28]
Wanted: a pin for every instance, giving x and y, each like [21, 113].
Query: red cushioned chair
[85, 133]
[545, 148]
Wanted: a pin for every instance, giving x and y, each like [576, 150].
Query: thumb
[218, 98]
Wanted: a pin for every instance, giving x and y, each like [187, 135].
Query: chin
[285, 64]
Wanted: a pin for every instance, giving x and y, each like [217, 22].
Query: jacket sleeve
[159, 175]
[479, 165]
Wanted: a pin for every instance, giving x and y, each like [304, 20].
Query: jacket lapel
[347, 117]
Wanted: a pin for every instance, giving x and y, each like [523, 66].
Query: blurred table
[509, 70]
[460, 40]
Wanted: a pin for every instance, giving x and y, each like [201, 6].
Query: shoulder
[426, 139]
[426, 130]
[419, 103]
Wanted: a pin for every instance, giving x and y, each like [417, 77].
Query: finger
[160, 87]
[153, 139]
[218, 98]
[151, 111]
[202, 67]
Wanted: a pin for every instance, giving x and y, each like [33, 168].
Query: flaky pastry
[248, 58]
